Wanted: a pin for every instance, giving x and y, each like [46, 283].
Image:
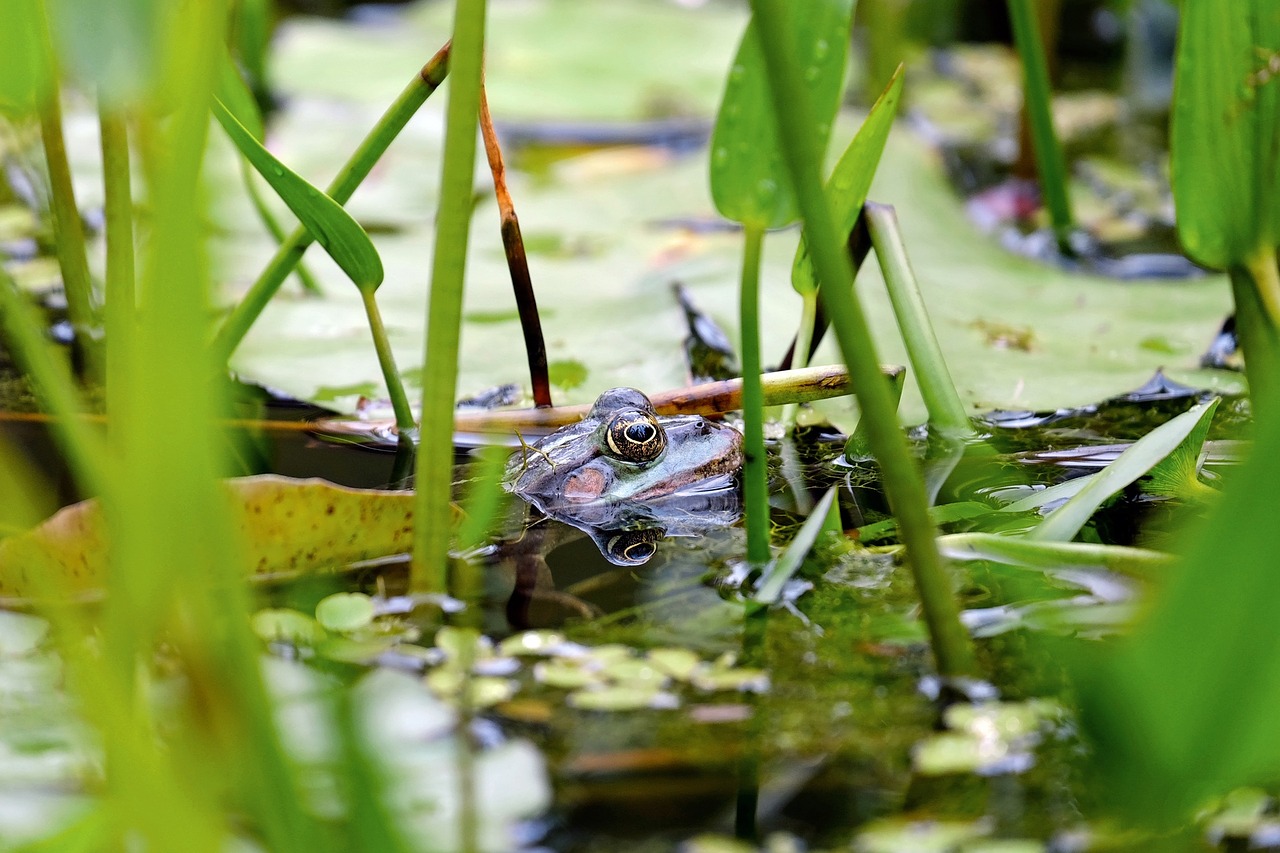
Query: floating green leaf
[850, 180]
[749, 181]
[334, 229]
[345, 611]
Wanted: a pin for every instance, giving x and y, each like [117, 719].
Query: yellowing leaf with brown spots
[288, 527]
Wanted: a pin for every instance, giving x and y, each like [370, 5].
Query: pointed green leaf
[234, 94]
[850, 180]
[1138, 459]
[749, 182]
[1177, 474]
[334, 229]
[1226, 119]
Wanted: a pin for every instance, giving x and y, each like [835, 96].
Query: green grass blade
[333, 228]
[749, 181]
[902, 478]
[83, 448]
[850, 180]
[1138, 459]
[73, 258]
[444, 309]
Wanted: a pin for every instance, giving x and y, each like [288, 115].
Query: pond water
[842, 728]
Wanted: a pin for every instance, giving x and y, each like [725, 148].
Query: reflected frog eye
[635, 437]
[633, 547]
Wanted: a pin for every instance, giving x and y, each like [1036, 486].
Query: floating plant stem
[946, 412]
[792, 107]
[349, 177]
[755, 473]
[517, 262]
[444, 307]
[1038, 107]
[121, 275]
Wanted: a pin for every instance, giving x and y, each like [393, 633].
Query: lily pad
[345, 611]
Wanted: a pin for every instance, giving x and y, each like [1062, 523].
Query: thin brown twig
[517, 262]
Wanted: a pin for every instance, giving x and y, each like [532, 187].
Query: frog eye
[635, 437]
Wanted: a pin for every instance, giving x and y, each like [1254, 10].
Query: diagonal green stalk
[349, 177]
[946, 412]
[905, 488]
[72, 257]
[444, 308]
[20, 327]
[1038, 104]
[755, 474]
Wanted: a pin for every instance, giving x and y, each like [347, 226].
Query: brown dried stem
[517, 263]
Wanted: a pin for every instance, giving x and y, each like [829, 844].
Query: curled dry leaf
[288, 527]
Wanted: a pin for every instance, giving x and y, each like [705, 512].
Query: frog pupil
[640, 432]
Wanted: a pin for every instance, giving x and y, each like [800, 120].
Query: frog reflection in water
[623, 474]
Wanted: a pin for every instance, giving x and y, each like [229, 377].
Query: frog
[623, 452]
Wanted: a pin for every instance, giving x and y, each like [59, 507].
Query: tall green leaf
[749, 182]
[850, 180]
[334, 229]
[1226, 120]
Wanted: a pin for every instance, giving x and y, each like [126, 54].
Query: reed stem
[517, 262]
[1038, 108]
[755, 467]
[428, 572]
[946, 412]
